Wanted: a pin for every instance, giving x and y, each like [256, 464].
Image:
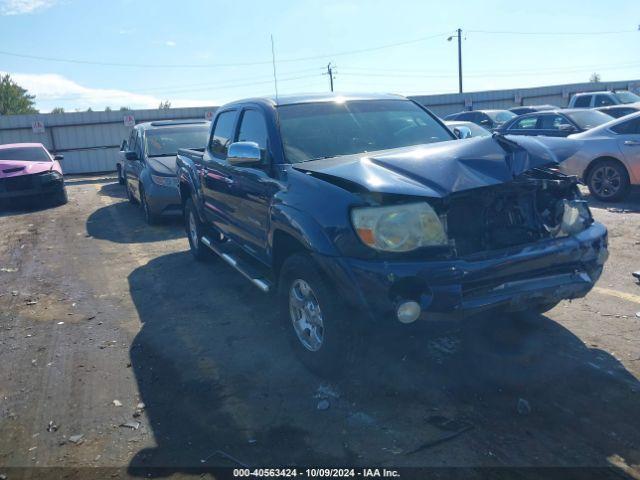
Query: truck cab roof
[295, 99]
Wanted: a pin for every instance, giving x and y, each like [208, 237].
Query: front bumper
[30, 185]
[518, 278]
[162, 200]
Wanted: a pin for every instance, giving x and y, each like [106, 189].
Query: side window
[253, 128]
[603, 101]
[630, 127]
[132, 139]
[527, 123]
[583, 101]
[553, 122]
[222, 133]
[484, 120]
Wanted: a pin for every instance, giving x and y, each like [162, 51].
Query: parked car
[532, 109]
[361, 209]
[555, 123]
[474, 130]
[489, 119]
[150, 163]
[617, 111]
[602, 99]
[607, 157]
[29, 170]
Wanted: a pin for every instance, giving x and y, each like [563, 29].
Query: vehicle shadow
[114, 190]
[21, 206]
[631, 204]
[133, 229]
[222, 387]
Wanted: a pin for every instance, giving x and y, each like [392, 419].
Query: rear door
[628, 138]
[215, 177]
[555, 125]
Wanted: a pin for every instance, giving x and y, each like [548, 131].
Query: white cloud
[53, 90]
[170, 43]
[21, 7]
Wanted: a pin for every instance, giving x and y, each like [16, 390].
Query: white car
[606, 158]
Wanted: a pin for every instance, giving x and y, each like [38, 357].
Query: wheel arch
[593, 163]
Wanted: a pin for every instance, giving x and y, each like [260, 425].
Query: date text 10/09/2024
[316, 472]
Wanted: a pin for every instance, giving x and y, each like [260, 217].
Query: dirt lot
[99, 312]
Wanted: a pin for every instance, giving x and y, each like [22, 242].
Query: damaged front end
[500, 229]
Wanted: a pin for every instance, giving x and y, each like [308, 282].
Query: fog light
[408, 312]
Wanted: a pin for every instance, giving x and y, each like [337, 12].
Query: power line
[214, 65]
[511, 32]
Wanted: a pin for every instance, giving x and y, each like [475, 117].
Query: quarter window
[630, 127]
[223, 133]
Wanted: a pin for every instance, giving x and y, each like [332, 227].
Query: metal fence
[90, 140]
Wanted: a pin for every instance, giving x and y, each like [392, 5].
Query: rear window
[166, 141]
[501, 116]
[627, 97]
[582, 101]
[25, 154]
[587, 119]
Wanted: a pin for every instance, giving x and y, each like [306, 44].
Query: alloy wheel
[306, 316]
[606, 181]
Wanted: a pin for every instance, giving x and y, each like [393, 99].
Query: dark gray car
[150, 163]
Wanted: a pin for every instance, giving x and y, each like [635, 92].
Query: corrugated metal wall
[90, 140]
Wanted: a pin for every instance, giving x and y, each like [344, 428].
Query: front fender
[303, 227]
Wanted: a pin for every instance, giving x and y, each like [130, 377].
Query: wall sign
[129, 121]
[208, 115]
[37, 126]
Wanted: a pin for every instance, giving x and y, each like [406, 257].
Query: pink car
[28, 170]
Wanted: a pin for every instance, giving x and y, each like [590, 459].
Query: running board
[245, 270]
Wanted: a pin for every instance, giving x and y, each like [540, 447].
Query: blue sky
[202, 34]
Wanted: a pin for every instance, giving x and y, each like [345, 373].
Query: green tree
[107, 109]
[594, 78]
[15, 100]
[165, 105]
[57, 110]
[89, 109]
[124, 109]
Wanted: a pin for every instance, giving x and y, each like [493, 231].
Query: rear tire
[322, 329]
[195, 230]
[608, 181]
[120, 177]
[130, 197]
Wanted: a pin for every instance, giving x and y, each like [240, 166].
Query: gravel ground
[110, 330]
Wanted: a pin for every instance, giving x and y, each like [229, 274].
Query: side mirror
[462, 132]
[244, 154]
[130, 155]
[57, 158]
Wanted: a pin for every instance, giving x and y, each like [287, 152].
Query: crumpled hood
[16, 168]
[439, 169]
[163, 165]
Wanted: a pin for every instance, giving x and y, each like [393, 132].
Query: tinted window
[25, 154]
[586, 119]
[319, 130]
[630, 127]
[619, 111]
[553, 122]
[223, 133]
[582, 101]
[253, 128]
[468, 116]
[527, 123]
[501, 116]
[603, 101]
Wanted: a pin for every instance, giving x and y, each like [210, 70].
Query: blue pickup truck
[359, 209]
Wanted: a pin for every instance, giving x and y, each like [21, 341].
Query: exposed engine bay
[539, 204]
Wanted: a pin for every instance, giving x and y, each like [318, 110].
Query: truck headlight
[399, 228]
[165, 181]
[576, 216]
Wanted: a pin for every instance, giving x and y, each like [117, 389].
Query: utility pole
[330, 73]
[459, 35]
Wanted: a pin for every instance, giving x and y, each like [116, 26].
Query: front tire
[149, 217]
[608, 181]
[130, 197]
[60, 198]
[322, 330]
[120, 177]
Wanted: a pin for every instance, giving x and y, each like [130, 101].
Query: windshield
[587, 119]
[627, 97]
[25, 154]
[320, 130]
[500, 116]
[166, 141]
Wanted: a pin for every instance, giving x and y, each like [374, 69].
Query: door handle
[632, 143]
